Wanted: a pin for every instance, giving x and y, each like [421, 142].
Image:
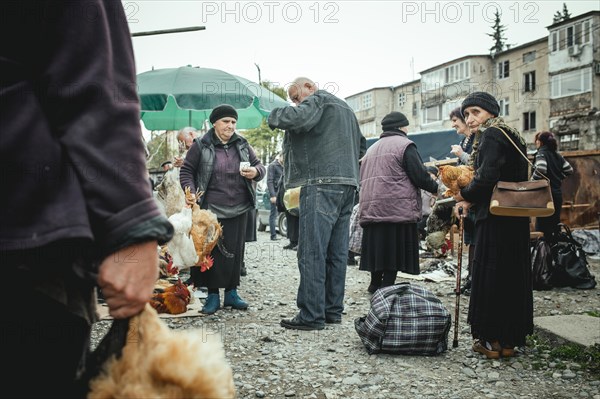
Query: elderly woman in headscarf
[391, 176]
[223, 165]
[501, 305]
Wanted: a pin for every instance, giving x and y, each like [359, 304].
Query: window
[571, 83]
[503, 107]
[569, 142]
[567, 36]
[401, 99]
[367, 101]
[529, 57]
[529, 80]
[570, 39]
[432, 114]
[415, 110]
[503, 69]
[368, 129]
[453, 73]
[529, 121]
[354, 103]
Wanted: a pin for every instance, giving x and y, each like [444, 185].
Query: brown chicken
[206, 231]
[455, 178]
[173, 299]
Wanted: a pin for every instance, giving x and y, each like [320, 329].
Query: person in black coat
[274, 173]
[501, 305]
[550, 164]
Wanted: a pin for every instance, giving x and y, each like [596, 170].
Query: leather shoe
[480, 346]
[333, 320]
[274, 238]
[295, 324]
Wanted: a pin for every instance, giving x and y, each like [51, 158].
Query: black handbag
[541, 266]
[570, 263]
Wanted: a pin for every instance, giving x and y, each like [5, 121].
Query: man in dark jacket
[274, 172]
[76, 209]
[321, 148]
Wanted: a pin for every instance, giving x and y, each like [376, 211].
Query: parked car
[263, 204]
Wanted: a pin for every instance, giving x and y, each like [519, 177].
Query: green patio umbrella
[174, 98]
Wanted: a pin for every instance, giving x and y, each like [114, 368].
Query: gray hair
[186, 130]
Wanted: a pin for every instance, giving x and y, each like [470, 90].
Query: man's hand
[127, 278]
[178, 162]
[273, 200]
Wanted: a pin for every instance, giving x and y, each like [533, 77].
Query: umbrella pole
[190, 118]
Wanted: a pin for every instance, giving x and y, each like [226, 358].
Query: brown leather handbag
[524, 198]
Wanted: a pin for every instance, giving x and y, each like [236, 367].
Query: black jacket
[71, 146]
[496, 160]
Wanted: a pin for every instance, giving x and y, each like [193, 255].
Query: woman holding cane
[501, 306]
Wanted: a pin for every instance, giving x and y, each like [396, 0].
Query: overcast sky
[345, 46]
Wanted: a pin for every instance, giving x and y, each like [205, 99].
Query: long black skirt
[225, 272]
[390, 247]
[501, 304]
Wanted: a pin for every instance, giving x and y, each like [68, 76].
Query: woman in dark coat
[391, 176]
[213, 166]
[550, 164]
[501, 305]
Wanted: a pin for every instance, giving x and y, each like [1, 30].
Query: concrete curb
[579, 329]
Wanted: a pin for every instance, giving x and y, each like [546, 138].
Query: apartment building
[574, 76]
[552, 83]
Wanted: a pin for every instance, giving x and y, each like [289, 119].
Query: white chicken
[181, 246]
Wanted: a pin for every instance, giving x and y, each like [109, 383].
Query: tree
[498, 34]
[280, 91]
[265, 141]
[565, 15]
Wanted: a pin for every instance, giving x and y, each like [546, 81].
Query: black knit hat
[394, 120]
[222, 111]
[483, 100]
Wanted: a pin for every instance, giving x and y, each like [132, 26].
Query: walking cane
[458, 273]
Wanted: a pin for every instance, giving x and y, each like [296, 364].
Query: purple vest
[386, 193]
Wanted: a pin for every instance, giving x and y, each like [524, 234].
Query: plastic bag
[541, 266]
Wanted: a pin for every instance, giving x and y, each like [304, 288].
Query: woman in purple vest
[391, 176]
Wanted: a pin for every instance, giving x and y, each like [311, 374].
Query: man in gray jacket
[321, 146]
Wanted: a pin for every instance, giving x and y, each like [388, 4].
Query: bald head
[300, 89]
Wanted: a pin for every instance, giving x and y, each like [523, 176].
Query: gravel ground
[269, 361]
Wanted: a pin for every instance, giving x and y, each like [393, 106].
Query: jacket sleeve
[566, 167]
[254, 161]
[491, 159]
[189, 169]
[541, 166]
[416, 172]
[91, 102]
[297, 119]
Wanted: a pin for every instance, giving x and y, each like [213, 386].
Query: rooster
[165, 264]
[206, 231]
[172, 300]
[439, 223]
[150, 360]
[455, 178]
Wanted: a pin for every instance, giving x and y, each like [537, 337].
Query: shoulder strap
[519, 151]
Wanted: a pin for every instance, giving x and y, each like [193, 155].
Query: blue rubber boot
[212, 304]
[233, 299]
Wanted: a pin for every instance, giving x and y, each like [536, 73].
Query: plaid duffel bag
[405, 319]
